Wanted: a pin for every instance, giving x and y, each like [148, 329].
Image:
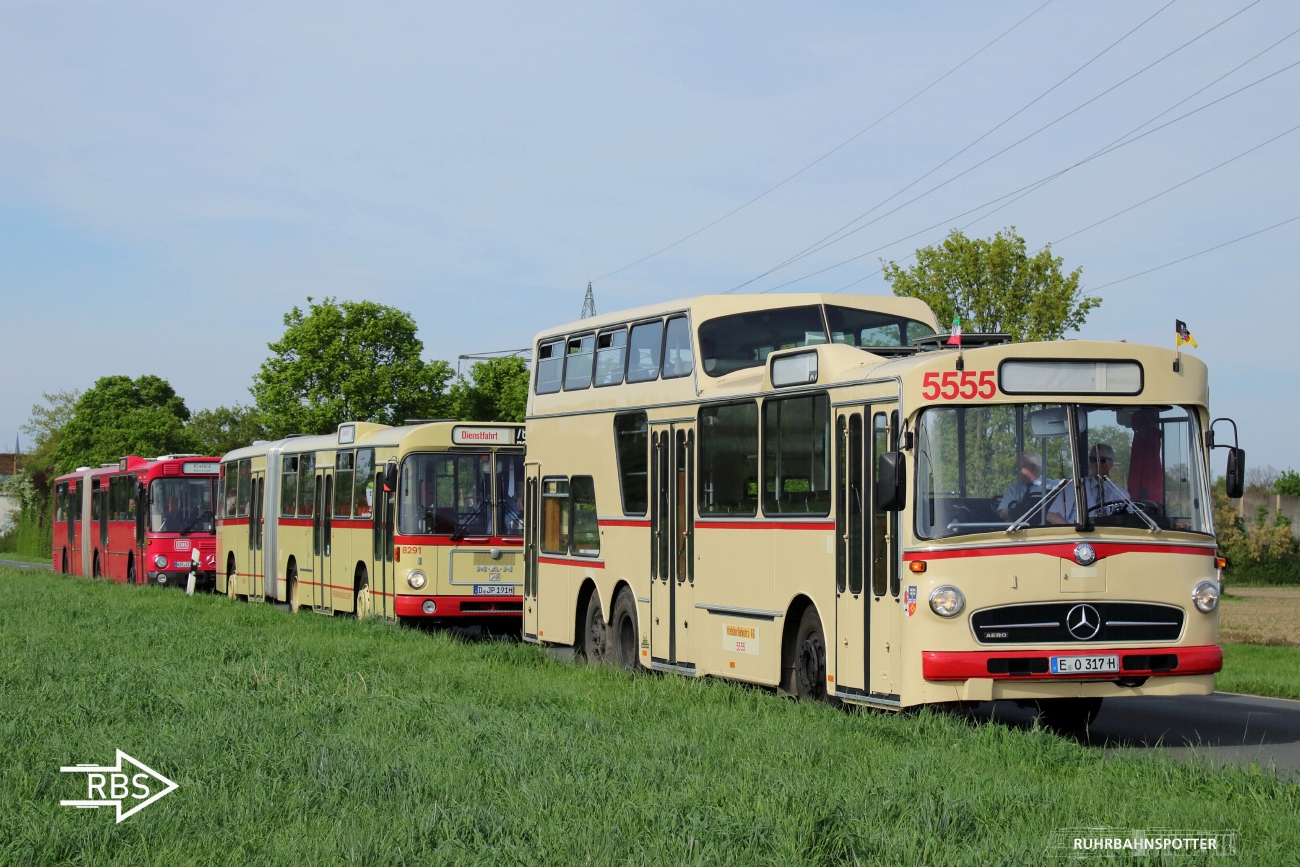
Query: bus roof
[436, 434]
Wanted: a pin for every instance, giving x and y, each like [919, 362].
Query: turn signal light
[1220, 562]
[397, 553]
[917, 566]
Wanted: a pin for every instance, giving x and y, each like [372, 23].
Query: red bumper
[459, 606]
[1034, 665]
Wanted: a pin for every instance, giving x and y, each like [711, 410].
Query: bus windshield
[452, 494]
[984, 469]
[181, 505]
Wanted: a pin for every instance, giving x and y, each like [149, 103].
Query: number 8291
[952, 384]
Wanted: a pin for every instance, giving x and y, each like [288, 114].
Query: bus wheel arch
[803, 651]
[591, 633]
[130, 570]
[63, 567]
[230, 575]
[624, 630]
[95, 571]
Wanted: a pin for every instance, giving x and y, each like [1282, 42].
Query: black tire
[291, 588]
[1068, 716]
[593, 643]
[810, 658]
[624, 637]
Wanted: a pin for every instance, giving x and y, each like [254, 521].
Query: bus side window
[632, 447]
[343, 485]
[363, 495]
[586, 531]
[678, 360]
[245, 486]
[645, 347]
[550, 367]
[306, 484]
[577, 362]
[555, 516]
[611, 357]
[288, 485]
[880, 519]
[796, 459]
[231, 476]
[130, 499]
[61, 502]
[728, 459]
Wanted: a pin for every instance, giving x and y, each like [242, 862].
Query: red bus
[137, 521]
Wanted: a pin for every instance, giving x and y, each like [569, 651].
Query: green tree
[347, 361]
[226, 428]
[121, 416]
[44, 426]
[495, 390]
[995, 286]
[1287, 483]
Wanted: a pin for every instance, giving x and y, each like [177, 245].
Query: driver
[1099, 490]
[1030, 485]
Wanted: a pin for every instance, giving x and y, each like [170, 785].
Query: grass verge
[315, 740]
[1259, 669]
[24, 558]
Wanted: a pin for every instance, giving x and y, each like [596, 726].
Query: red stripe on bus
[331, 586]
[765, 525]
[446, 542]
[1064, 550]
[295, 522]
[232, 522]
[964, 665]
[624, 522]
[450, 606]
[572, 561]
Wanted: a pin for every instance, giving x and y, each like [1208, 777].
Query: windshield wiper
[463, 525]
[1132, 506]
[1024, 519]
[197, 518]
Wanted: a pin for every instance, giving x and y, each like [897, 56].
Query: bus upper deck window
[678, 360]
[577, 362]
[611, 357]
[550, 366]
[743, 340]
[866, 328]
[644, 350]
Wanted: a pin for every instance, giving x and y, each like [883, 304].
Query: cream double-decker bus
[815, 493]
[422, 521]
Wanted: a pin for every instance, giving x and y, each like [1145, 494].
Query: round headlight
[160, 561]
[947, 601]
[416, 580]
[429, 606]
[1206, 596]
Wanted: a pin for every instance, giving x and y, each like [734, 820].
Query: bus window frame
[828, 455]
[659, 361]
[565, 533]
[618, 462]
[578, 338]
[622, 373]
[690, 347]
[561, 342]
[701, 427]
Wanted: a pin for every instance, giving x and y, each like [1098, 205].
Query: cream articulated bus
[813, 492]
[419, 521]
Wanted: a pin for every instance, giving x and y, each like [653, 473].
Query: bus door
[322, 597]
[852, 645]
[672, 555]
[257, 536]
[532, 527]
[888, 604]
[385, 516]
[101, 496]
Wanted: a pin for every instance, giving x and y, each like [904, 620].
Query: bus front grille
[1048, 623]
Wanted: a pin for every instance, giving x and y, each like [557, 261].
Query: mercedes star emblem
[1085, 554]
[1084, 622]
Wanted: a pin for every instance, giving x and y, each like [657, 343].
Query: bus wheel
[810, 658]
[230, 581]
[361, 596]
[1068, 716]
[623, 628]
[594, 641]
[292, 589]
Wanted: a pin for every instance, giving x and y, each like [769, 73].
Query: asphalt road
[1225, 727]
[23, 564]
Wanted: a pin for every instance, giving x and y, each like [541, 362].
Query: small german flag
[1183, 337]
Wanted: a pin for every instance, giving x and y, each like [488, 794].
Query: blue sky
[477, 164]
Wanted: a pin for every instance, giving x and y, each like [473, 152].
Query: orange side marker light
[917, 566]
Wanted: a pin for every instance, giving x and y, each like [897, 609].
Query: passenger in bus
[1100, 491]
[1027, 489]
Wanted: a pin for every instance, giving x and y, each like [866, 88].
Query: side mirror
[390, 476]
[1235, 474]
[891, 482]
[139, 493]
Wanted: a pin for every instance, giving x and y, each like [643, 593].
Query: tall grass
[309, 740]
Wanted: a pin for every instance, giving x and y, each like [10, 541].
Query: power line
[841, 145]
[1200, 253]
[1005, 121]
[1124, 141]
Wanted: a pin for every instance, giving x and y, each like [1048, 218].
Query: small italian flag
[1183, 337]
[954, 339]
